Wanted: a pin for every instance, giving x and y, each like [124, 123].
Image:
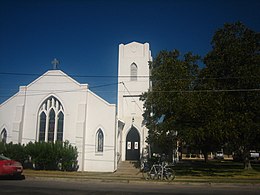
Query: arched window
[99, 141]
[133, 72]
[51, 126]
[3, 137]
[42, 126]
[51, 120]
[60, 127]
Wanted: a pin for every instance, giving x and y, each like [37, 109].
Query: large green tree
[216, 105]
[233, 72]
[202, 123]
[172, 77]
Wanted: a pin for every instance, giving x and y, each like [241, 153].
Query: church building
[55, 107]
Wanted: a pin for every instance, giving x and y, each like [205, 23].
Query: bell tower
[133, 79]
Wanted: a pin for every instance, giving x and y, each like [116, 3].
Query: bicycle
[159, 171]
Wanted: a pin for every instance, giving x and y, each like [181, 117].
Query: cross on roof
[55, 63]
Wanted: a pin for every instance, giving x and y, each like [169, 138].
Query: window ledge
[99, 154]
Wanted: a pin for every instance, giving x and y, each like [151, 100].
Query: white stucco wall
[84, 113]
[130, 107]
[101, 115]
[11, 116]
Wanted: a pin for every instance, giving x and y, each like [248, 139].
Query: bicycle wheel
[169, 174]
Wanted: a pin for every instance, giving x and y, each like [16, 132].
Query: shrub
[68, 158]
[53, 156]
[43, 155]
[14, 151]
[2, 147]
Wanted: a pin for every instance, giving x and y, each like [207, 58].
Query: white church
[56, 107]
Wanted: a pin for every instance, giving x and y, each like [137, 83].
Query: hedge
[43, 155]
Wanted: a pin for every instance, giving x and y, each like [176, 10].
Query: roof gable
[54, 79]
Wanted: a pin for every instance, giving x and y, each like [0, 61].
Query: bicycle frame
[159, 171]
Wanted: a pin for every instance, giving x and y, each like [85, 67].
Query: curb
[136, 180]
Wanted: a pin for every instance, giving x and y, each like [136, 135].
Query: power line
[207, 91]
[78, 76]
[105, 85]
[45, 92]
[123, 76]
[132, 96]
[173, 91]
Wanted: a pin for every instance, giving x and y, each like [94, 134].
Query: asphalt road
[64, 187]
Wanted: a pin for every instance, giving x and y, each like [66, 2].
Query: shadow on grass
[213, 168]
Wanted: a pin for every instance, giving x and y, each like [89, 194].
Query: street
[64, 187]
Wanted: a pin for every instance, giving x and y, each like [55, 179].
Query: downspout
[115, 142]
[23, 116]
[84, 133]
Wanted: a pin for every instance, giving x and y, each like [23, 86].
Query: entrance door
[133, 144]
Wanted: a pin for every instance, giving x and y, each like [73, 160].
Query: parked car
[219, 155]
[254, 155]
[10, 167]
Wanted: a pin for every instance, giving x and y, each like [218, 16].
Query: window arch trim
[48, 97]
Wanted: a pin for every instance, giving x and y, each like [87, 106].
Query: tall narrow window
[60, 127]
[133, 72]
[100, 141]
[3, 137]
[42, 127]
[51, 120]
[51, 126]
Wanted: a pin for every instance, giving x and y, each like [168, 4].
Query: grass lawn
[216, 170]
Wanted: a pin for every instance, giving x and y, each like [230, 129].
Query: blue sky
[84, 35]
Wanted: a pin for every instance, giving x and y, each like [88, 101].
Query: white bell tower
[133, 79]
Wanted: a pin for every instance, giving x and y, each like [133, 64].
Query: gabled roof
[55, 73]
[134, 43]
[52, 73]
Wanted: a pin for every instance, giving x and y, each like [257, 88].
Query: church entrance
[133, 144]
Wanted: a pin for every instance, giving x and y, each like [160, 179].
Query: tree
[172, 77]
[233, 69]
[202, 126]
[212, 107]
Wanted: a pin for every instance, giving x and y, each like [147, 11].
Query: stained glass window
[51, 118]
[60, 127]
[42, 127]
[51, 126]
[3, 137]
[100, 141]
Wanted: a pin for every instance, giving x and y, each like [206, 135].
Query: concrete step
[130, 168]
